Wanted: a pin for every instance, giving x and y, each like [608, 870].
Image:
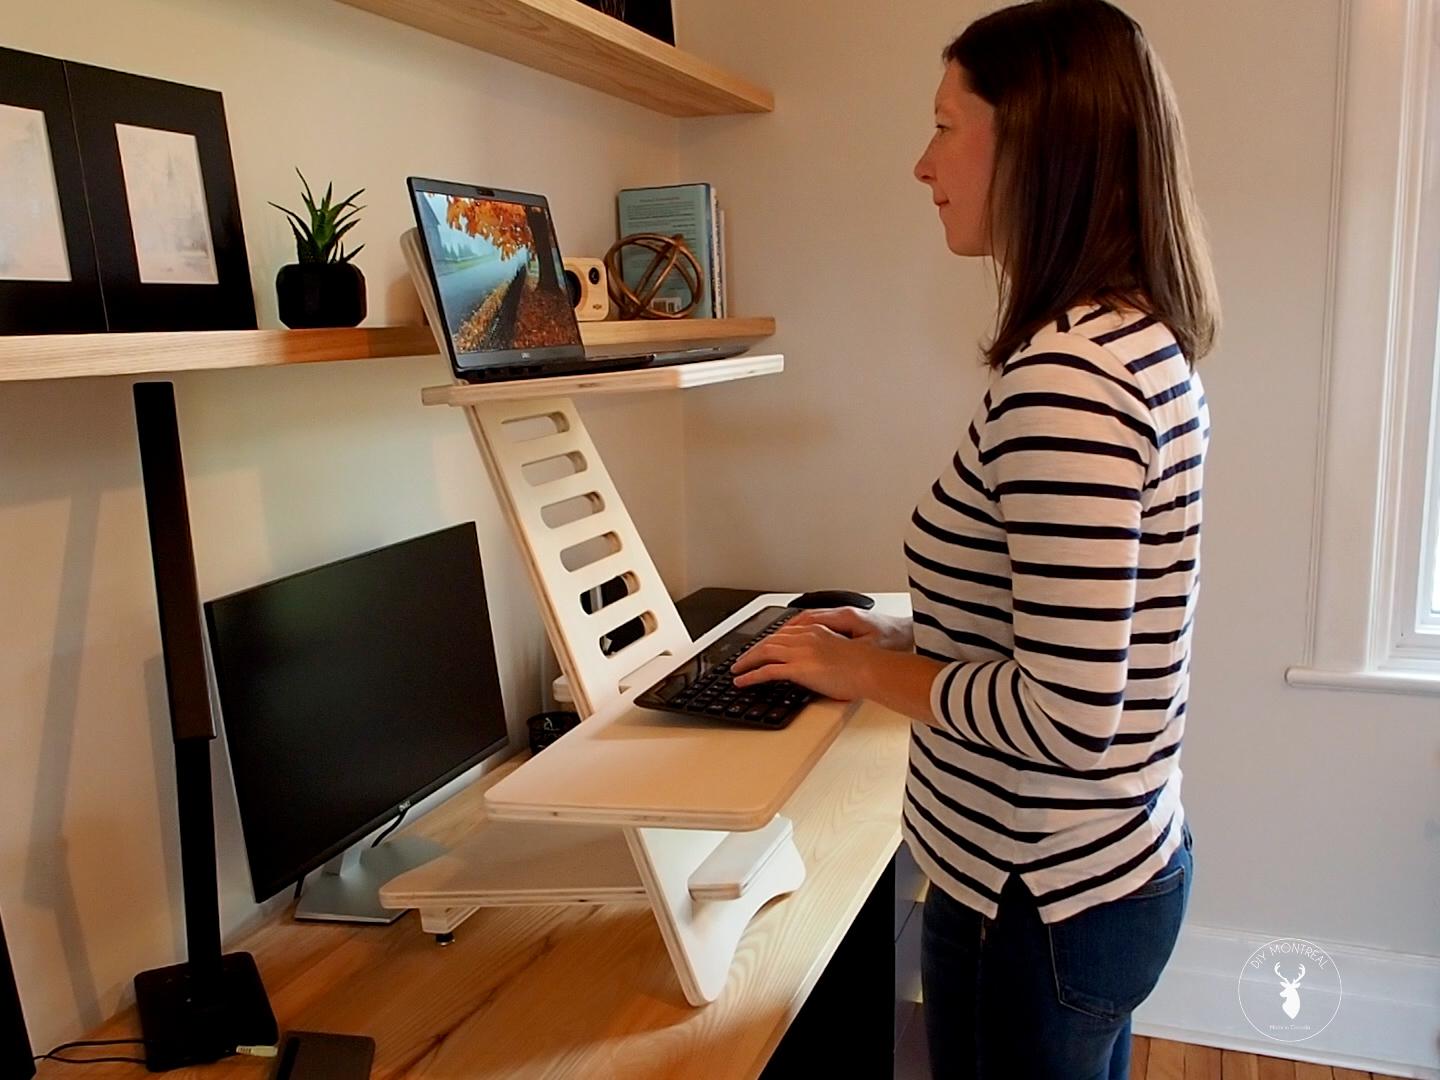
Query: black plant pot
[320, 294]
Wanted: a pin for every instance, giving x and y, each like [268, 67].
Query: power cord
[54, 1055]
[404, 809]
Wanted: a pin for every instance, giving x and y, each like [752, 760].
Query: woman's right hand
[883, 631]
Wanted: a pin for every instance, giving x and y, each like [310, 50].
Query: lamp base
[185, 1023]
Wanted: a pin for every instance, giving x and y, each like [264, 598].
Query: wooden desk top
[584, 992]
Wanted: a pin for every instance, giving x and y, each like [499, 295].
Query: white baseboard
[1388, 1021]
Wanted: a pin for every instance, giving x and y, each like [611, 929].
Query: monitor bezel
[264, 890]
[477, 362]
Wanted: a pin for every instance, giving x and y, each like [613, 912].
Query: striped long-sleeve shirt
[1054, 566]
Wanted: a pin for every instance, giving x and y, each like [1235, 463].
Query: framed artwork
[160, 186]
[48, 278]
[118, 208]
[654, 17]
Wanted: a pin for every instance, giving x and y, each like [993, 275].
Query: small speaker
[589, 291]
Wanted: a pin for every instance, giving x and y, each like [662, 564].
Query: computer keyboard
[704, 686]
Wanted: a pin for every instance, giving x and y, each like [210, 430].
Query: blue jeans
[1010, 998]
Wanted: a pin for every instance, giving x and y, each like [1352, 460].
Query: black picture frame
[28, 306]
[654, 17]
[100, 100]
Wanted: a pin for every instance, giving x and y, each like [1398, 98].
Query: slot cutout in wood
[527, 428]
[610, 592]
[578, 556]
[548, 470]
[572, 509]
[625, 635]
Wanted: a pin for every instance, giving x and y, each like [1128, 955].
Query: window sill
[1418, 683]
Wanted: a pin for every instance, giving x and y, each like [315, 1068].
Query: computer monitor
[347, 693]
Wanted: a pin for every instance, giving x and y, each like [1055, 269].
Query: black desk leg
[847, 1026]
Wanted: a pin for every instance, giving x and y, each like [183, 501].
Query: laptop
[494, 264]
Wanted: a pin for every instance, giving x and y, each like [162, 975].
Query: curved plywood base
[701, 936]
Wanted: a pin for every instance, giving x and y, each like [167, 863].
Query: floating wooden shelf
[578, 43]
[63, 356]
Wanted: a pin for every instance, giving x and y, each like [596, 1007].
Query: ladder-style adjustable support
[575, 536]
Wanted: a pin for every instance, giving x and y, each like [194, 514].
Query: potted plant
[324, 288]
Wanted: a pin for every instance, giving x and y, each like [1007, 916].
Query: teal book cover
[686, 209]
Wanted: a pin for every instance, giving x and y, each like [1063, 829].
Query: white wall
[287, 468]
[1315, 813]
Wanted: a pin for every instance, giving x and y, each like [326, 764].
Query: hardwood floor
[1160, 1059]
[1152, 1059]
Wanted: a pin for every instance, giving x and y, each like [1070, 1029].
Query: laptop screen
[496, 268]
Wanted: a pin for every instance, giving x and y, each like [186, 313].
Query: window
[1375, 596]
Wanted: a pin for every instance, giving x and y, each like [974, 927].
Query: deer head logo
[1289, 993]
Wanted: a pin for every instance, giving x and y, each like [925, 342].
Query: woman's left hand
[811, 656]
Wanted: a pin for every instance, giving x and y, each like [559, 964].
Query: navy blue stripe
[1143, 673]
[1174, 504]
[1069, 611]
[1074, 363]
[1080, 653]
[974, 850]
[1114, 874]
[1176, 469]
[1025, 720]
[1048, 399]
[1161, 637]
[970, 479]
[1169, 394]
[1083, 851]
[975, 543]
[959, 875]
[960, 637]
[991, 581]
[1060, 444]
[984, 611]
[1078, 489]
[1015, 799]
[993, 701]
[1074, 532]
[1153, 573]
[1067, 772]
[1099, 311]
[1151, 359]
[974, 513]
[1125, 331]
[1161, 539]
[1178, 430]
[1074, 573]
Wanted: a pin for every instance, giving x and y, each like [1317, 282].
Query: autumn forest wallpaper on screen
[498, 271]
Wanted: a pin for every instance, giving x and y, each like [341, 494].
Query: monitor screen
[497, 271]
[350, 689]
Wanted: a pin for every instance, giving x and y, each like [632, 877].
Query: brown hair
[1090, 157]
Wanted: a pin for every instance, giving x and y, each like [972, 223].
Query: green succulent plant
[319, 239]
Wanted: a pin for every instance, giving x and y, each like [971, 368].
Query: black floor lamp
[202, 1009]
[16, 1055]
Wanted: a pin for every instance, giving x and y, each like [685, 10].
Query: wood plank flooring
[1153, 1059]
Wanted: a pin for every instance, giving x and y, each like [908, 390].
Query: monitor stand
[347, 889]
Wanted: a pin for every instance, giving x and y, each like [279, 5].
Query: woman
[1053, 565]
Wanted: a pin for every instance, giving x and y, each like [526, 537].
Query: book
[685, 209]
[722, 291]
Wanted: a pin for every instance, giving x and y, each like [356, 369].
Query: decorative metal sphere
[670, 256]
